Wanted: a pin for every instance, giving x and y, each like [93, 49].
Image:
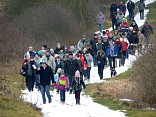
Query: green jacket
[50, 62]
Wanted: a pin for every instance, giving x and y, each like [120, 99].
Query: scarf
[48, 57]
[112, 50]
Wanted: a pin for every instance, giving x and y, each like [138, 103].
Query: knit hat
[146, 22]
[42, 61]
[45, 46]
[130, 27]
[48, 51]
[71, 53]
[125, 23]
[79, 52]
[87, 52]
[104, 32]
[58, 44]
[64, 56]
[104, 37]
[43, 51]
[77, 73]
[83, 36]
[95, 34]
[117, 38]
[62, 48]
[62, 73]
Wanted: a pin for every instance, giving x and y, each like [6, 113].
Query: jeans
[38, 80]
[141, 14]
[131, 15]
[127, 53]
[100, 71]
[110, 62]
[45, 89]
[71, 78]
[100, 27]
[95, 56]
[62, 95]
[88, 72]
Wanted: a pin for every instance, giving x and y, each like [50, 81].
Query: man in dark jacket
[122, 7]
[147, 31]
[114, 20]
[113, 7]
[46, 75]
[71, 66]
[134, 40]
[30, 69]
[130, 7]
[93, 43]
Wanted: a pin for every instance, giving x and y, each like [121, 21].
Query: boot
[76, 101]
[116, 64]
[79, 101]
[70, 91]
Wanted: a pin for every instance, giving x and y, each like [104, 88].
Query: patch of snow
[128, 100]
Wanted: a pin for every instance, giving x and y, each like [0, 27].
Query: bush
[145, 74]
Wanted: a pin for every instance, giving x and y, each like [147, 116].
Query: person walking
[131, 7]
[77, 84]
[111, 53]
[62, 84]
[141, 7]
[147, 31]
[114, 20]
[30, 67]
[89, 59]
[46, 75]
[100, 21]
[101, 60]
[93, 43]
[70, 67]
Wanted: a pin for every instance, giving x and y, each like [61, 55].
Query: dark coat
[134, 39]
[122, 8]
[77, 84]
[119, 46]
[57, 51]
[113, 17]
[29, 70]
[90, 51]
[125, 29]
[113, 8]
[105, 45]
[130, 6]
[60, 65]
[71, 66]
[111, 39]
[100, 46]
[101, 59]
[46, 75]
[93, 43]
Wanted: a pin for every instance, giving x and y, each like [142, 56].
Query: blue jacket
[56, 76]
[108, 50]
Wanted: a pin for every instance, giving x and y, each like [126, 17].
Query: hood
[103, 53]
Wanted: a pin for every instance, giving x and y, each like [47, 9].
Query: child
[77, 86]
[57, 75]
[62, 84]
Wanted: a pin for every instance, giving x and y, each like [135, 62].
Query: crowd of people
[68, 69]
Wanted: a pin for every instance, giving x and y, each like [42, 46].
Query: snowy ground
[87, 108]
